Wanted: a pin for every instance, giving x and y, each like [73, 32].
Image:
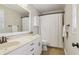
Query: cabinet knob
[32, 49]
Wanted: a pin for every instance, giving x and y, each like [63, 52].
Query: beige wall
[11, 18]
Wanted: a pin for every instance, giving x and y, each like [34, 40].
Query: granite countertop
[15, 43]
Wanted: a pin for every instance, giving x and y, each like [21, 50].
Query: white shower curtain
[51, 29]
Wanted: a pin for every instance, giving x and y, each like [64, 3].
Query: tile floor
[53, 51]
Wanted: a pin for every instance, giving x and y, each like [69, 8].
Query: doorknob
[75, 44]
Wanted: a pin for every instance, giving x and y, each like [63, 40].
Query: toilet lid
[44, 41]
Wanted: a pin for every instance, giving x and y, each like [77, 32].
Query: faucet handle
[0, 41]
[6, 39]
[3, 39]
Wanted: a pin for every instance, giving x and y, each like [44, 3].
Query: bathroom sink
[7, 45]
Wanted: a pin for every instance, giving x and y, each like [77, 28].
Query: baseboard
[53, 46]
[65, 52]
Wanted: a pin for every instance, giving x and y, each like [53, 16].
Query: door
[51, 29]
[75, 23]
[73, 30]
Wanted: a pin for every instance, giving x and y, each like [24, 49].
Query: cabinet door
[32, 48]
[38, 47]
[20, 51]
[27, 49]
[24, 50]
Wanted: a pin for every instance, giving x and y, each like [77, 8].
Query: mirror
[13, 18]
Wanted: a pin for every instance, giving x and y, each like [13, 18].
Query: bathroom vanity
[22, 45]
[16, 26]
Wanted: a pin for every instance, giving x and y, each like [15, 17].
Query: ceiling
[42, 8]
[48, 7]
[18, 9]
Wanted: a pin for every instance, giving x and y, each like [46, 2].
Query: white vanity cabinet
[31, 48]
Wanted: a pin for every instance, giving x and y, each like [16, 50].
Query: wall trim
[51, 13]
[65, 52]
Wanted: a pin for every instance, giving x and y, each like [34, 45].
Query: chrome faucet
[3, 39]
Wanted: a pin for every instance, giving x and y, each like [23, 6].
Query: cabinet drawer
[31, 51]
[20, 51]
[38, 47]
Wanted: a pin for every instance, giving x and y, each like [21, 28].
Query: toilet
[44, 45]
